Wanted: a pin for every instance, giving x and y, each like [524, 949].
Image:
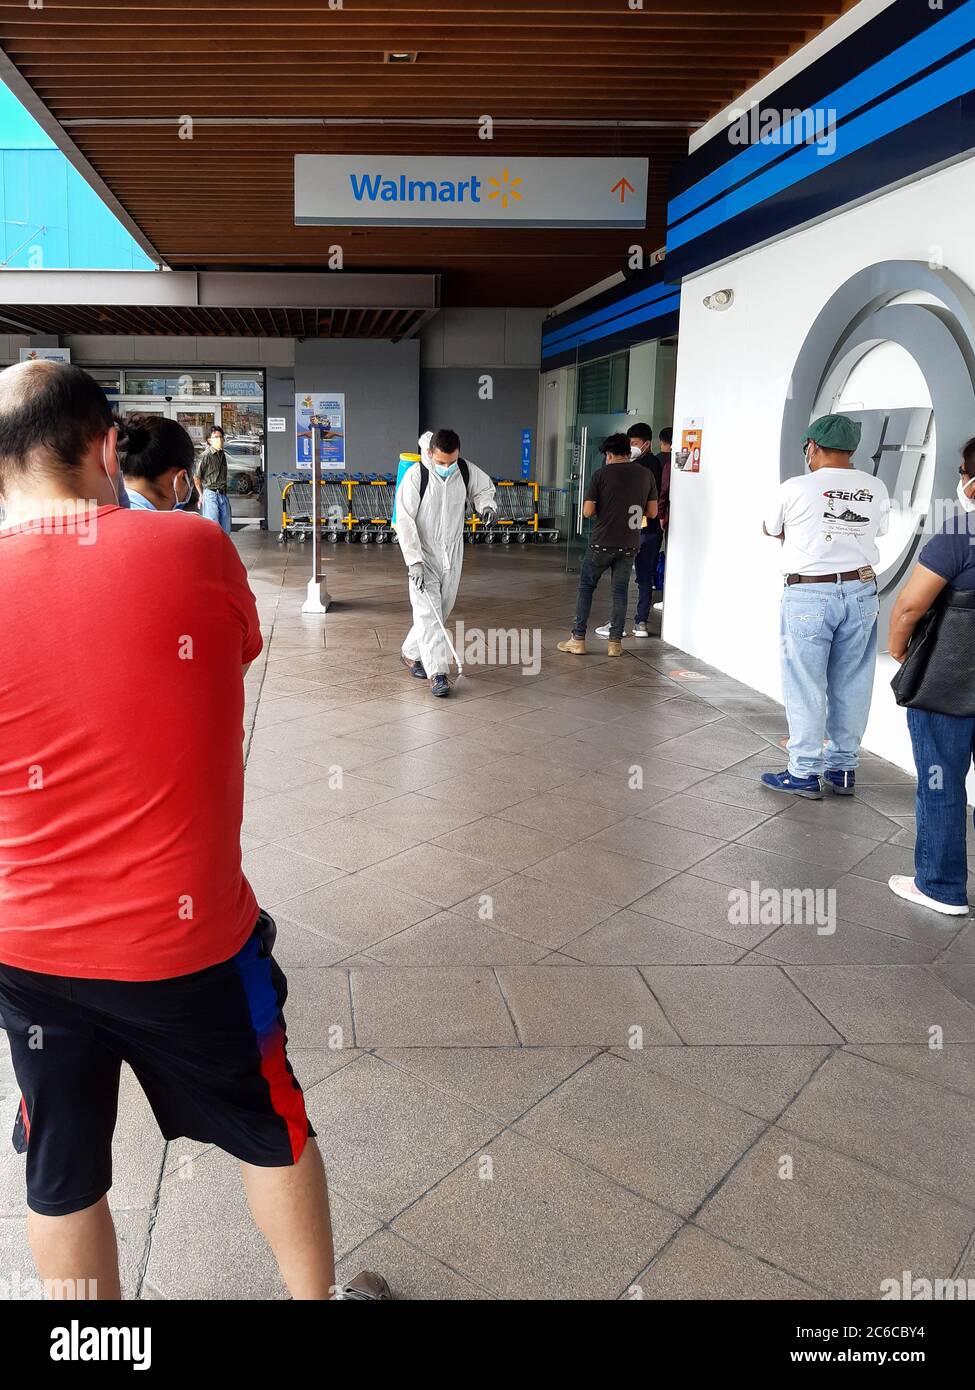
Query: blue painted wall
[49, 217]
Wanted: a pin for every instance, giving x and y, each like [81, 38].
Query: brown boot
[576, 646]
[614, 647]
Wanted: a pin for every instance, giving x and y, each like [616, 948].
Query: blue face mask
[445, 470]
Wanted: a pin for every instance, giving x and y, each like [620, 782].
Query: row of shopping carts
[358, 507]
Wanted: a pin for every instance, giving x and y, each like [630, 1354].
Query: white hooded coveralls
[431, 533]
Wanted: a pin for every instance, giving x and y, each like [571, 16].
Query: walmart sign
[484, 191]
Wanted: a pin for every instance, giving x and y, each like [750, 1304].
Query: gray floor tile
[962, 948]
[583, 1005]
[270, 817]
[411, 1273]
[889, 800]
[541, 1227]
[450, 939]
[915, 1131]
[503, 842]
[840, 1225]
[543, 912]
[277, 874]
[807, 842]
[417, 815]
[714, 749]
[556, 814]
[345, 797]
[872, 904]
[960, 979]
[849, 944]
[695, 1265]
[667, 1142]
[702, 905]
[760, 1079]
[886, 1004]
[587, 868]
[629, 938]
[652, 843]
[387, 1137]
[442, 875]
[688, 812]
[501, 1081]
[847, 814]
[358, 913]
[739, 866]
[885, 860]
[347, 844]
[445, 1006]
[952, 1067]
[728, 1004]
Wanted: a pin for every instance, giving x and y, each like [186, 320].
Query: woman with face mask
[157, 459]
[938, 686]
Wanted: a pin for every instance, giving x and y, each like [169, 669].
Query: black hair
[50, 412]
[666, 435]
[446, 441]
[153, 446]
[968, 458]
[216, 429]
[640, 431]
[617, 444]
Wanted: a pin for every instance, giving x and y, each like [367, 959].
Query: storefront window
[183, 384]
[241, 384]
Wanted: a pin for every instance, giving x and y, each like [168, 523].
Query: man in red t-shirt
[128, 932]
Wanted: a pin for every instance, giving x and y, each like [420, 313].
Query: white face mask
[635, 451]
[968, 504]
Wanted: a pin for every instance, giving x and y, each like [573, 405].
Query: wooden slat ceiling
[194, 321]
[120, 77]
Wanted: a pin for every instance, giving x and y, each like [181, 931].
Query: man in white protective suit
[430, 509]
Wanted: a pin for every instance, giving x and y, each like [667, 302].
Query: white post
[317, 596]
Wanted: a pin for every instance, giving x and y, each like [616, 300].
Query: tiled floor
[543, 1056]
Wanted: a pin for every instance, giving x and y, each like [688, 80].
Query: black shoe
[415, 668]
[439, 686]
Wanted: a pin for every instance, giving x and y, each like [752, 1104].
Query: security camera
[721, 299]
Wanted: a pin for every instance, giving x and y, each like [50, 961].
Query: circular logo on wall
[912, 447]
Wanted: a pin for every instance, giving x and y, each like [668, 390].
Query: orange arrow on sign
[621, 188]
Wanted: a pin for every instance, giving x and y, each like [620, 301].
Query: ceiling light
[402, 57]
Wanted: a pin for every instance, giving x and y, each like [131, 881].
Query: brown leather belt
[864, 575]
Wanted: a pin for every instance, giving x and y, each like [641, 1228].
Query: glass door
[597, 407]
[197, 421]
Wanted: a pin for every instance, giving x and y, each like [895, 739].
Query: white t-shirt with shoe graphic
[832, 519]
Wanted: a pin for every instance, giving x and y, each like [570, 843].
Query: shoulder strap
[465, 473]
[424, 478]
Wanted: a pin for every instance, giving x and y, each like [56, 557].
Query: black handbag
[938, 673]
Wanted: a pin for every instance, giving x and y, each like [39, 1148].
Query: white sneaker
[905, 887]
[659, 607]
[604, 631]
[640, 630]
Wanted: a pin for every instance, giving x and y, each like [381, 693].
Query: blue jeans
[829, 653]
[647, 558]
[943, 753]
[215, 506]
[595, 563]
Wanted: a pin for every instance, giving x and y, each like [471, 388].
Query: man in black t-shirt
[622, 496]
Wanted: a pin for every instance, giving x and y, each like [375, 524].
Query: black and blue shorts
[209, 1050]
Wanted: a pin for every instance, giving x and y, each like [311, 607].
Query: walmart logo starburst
[505, 188]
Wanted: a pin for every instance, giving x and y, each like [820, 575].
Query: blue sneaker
[842, 783]
[440, 687]
[415, 668]
[809, 787]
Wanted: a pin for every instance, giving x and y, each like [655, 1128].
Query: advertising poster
[329, 408]
[61, 354]
[691, 438]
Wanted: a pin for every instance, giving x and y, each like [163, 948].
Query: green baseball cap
[834, 432]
